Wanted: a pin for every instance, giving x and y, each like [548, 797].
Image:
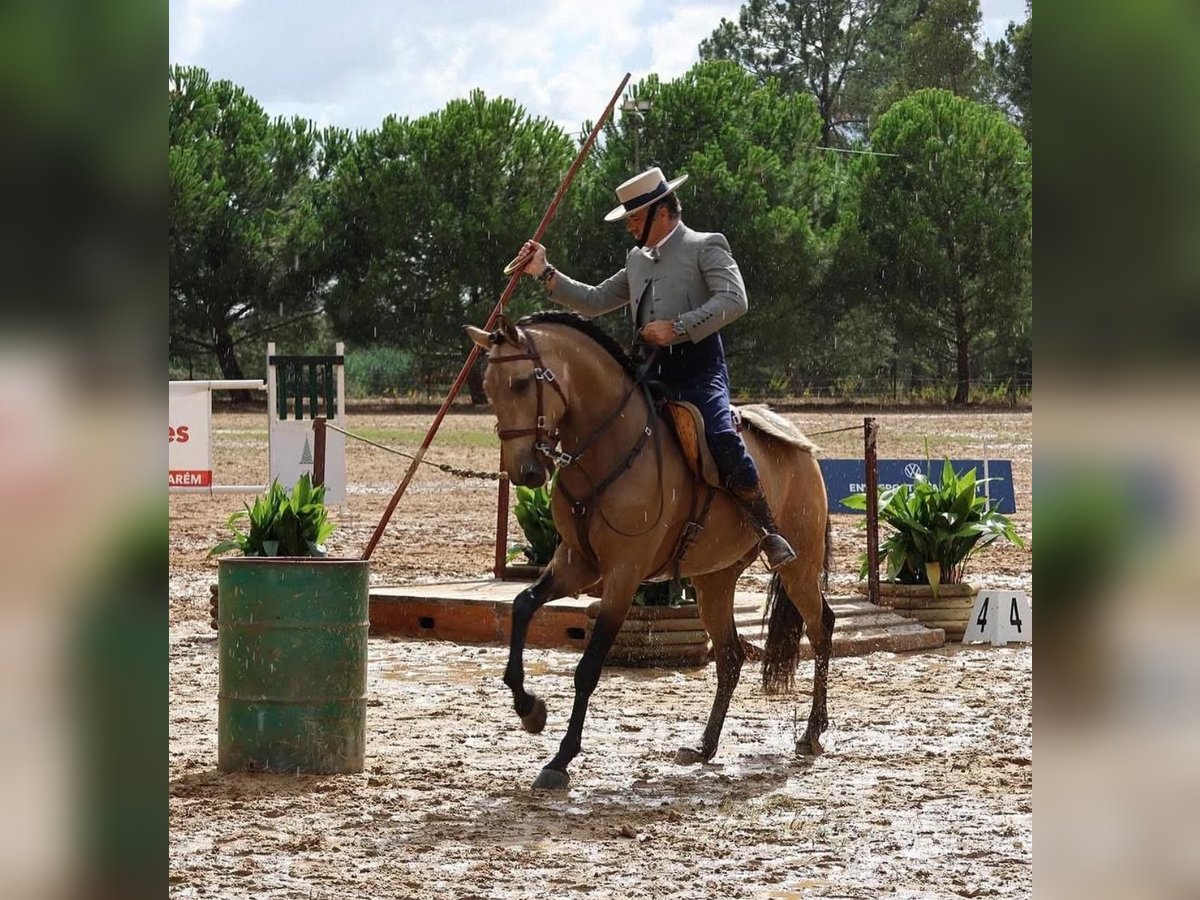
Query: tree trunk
[227, 355]
[962, 354]
[475, 384]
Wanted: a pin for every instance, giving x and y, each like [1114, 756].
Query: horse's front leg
[618, 595]
[561, 578]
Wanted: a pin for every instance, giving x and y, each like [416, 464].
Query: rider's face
[637, 221]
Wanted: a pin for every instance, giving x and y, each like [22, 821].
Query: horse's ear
[509, 331]
[478, 335]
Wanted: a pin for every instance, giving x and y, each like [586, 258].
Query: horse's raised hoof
[535, 720]
[809, 746]
[686, 756]
[551, 780]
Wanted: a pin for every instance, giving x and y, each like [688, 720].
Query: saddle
[688, 426]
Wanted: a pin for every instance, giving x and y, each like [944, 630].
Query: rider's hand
[537, 258]
[658, 333]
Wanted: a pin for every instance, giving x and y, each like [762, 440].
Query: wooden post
[501, 528]
[318, 450]
[870, 466]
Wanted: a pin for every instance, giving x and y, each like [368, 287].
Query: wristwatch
[677, 327]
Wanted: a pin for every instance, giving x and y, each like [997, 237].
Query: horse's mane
[588, 328]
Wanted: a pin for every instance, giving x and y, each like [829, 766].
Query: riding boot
[771, 543]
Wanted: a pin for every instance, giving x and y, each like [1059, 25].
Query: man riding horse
[682, 287]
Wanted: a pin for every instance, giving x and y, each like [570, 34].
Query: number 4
[1014, 615]
[982, 620]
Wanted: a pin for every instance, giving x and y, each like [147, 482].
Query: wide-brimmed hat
[642, 190]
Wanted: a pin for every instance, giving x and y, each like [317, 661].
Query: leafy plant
[534, 515]
[281, 524]
[936, 528]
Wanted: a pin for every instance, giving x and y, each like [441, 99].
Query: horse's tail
[785, 628]
[828, 562]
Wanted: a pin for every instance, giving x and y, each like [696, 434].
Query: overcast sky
[353, 62]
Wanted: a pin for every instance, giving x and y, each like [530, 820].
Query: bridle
[545, 440]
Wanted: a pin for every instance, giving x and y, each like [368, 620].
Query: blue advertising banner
[844, 477]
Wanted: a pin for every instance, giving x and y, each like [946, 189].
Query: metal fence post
[870, 465]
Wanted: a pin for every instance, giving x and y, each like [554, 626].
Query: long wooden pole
[499, 308]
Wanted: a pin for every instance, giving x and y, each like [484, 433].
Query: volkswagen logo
[912, 470]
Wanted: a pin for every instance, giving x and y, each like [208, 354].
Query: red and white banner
[189, 452]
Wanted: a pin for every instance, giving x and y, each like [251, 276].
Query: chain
[461, 473]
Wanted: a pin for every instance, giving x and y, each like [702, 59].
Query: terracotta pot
[950, 610]
[667, 636]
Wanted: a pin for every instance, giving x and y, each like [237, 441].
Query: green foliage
[378, 372]
[1007, 73]
[429, 211]
[533, 511]
[908, 271]
[936, 527]
[281, 525]
[950, 227]
[246, 244]
[832, 50]
[939, 49]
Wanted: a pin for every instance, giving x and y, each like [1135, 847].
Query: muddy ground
[925, 789]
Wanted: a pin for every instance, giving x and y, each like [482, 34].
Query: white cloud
[676, 41]
[197, 16]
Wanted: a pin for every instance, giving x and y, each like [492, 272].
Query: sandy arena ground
[925, 789]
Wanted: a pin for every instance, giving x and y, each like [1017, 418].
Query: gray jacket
[694, 279]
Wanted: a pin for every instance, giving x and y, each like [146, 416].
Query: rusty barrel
[292, 647]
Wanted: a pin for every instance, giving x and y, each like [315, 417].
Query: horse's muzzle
[529, 475]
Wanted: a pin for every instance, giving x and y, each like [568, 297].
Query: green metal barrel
[292, 638]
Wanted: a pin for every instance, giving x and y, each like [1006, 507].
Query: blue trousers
[698, 374]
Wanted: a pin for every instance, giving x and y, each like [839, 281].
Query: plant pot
[292, 650]
[667, 636]
[950, 610]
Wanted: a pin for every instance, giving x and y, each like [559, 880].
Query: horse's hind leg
[714, 594]
[560, 579]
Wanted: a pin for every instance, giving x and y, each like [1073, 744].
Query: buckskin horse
[567, 396]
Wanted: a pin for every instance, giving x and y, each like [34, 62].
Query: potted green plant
[292, 641]
[537, 523]
[935, 529]
[281, 524]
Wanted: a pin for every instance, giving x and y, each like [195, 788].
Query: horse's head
[527, 399]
